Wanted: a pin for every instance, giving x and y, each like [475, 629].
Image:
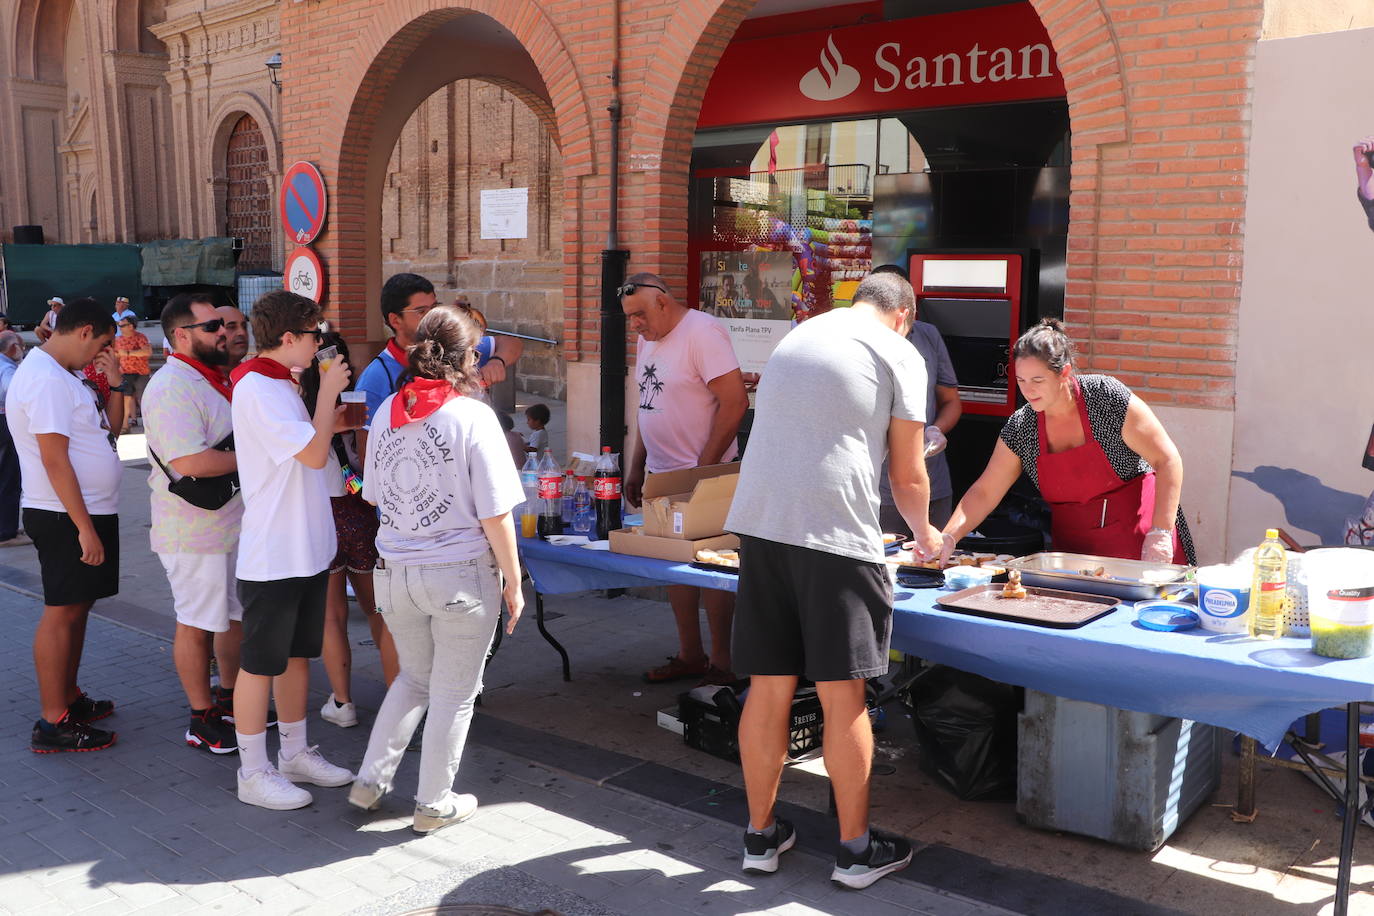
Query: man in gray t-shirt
[815, 597]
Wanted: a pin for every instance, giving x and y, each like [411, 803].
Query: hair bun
[1053, 324]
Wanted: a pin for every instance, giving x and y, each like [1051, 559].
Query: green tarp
[35, 273]
[187, 262]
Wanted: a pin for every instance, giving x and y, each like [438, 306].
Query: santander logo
[833, 79]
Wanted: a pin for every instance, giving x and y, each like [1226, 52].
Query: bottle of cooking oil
[1269, 588]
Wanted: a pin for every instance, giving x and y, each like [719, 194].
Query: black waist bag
[204, 492]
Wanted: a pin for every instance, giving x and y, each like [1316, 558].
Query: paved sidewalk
[151, 826]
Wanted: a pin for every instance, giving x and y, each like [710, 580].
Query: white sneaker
[344, 715]
[365, 795]
[269, 789]
[309, 766]
[453, 809]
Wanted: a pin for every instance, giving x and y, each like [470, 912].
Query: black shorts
[810, 613]
[282, 619]
[66, 580]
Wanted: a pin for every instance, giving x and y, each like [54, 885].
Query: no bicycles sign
[303, 203]
[305, 274]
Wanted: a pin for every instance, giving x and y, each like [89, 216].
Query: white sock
[252, 752]
[292, 735]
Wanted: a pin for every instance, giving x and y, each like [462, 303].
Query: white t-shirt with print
[288, 526]
[45, 398]
[676, 408]
[435, 479]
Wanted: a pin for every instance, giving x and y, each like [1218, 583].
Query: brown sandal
[718, 677]
[675, 670]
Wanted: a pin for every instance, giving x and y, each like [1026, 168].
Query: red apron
[1093, 510]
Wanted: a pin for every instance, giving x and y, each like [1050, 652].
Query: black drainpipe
[613, 262]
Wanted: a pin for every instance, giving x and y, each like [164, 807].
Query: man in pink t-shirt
[691, 401]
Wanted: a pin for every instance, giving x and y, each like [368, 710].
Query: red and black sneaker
[85, 710]
[68, 736]
[210, 731]
[224, 699]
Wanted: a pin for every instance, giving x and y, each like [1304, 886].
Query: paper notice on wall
[505, 213]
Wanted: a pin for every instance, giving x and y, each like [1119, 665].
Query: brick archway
[349, 130]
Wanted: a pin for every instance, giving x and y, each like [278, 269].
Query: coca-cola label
[607, 488]
[550, 487]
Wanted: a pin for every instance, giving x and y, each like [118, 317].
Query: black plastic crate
[713, 727]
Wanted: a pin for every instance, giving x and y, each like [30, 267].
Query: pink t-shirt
[675, 406]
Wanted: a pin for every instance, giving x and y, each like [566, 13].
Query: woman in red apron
[1098, 454]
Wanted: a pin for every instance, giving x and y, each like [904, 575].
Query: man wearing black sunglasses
[691, 401]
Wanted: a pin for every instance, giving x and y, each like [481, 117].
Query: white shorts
[204, 590]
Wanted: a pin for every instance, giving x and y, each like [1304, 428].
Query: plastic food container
[958, 578]
[1224, 598]
[1340, 595]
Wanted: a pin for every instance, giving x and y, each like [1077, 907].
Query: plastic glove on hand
[1158, 546]
[935, 441]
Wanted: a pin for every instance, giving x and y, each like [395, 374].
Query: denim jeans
[443, 617]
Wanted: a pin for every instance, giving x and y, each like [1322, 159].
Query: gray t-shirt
[925, 337]
[810, 475]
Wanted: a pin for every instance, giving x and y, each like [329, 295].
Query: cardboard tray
[1043, 607]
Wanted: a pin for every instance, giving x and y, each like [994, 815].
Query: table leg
[1245, 795]
[1352, 806]
[539, 622]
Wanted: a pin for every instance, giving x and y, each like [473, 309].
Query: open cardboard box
[689, 505]
[631, 541]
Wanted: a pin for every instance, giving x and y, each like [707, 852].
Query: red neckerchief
[213, 376]
[397, 353]
[262, 364]
[418, 398]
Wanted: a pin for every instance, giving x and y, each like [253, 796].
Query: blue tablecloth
[1256, 688]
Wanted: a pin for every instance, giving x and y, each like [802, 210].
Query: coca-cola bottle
[606, 493]
[550, 496]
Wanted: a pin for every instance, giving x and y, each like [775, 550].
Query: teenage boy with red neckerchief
[188, 401]
[285, 547]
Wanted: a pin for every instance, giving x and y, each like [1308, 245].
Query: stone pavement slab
[152, 826]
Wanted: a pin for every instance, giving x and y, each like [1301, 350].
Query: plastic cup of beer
[355, 408]
[326, 358]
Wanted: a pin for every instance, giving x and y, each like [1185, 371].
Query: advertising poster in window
[750, 294]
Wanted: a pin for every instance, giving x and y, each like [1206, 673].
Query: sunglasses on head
[629, 289]
[209, 327]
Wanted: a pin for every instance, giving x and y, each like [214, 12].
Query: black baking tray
[713, 567]
[1057, 609]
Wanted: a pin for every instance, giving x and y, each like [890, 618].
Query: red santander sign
[994, 54]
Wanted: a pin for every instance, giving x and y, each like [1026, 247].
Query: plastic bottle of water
[583, 517]
[1269, 588]
[569, 488]
[529, 479]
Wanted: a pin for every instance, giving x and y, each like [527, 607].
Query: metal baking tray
[1132, 580]
[1042, 607]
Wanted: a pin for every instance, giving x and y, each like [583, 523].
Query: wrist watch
[123, 387]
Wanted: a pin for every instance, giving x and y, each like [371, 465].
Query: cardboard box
[690, 504]
[635, 543]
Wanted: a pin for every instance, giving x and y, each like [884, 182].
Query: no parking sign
[305, 274]
[303, 203]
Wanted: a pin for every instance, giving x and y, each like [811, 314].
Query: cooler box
[1126, 777]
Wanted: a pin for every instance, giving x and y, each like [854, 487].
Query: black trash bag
[966, 731]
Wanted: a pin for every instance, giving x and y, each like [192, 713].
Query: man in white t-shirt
[188, 403]
[45, 327]
[286, 543]
[69, 501]
[691, 401]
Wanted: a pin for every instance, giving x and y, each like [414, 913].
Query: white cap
[56, 300]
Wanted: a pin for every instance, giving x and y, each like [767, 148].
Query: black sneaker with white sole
[761, 851]
[210, 731]
[885, 854]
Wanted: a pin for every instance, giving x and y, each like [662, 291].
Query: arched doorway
[469, 137]
[248, 197]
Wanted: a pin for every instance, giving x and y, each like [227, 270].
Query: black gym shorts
[810, 613]
[66, 580]
[282, 619]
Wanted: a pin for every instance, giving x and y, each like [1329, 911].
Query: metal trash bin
[1130, 778]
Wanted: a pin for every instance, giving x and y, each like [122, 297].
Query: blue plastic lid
[1166, 616]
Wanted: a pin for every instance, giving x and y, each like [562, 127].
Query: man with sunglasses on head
[691, 401]
[70, 503]
[190, 426]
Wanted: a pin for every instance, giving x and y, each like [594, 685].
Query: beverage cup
[326, 357]
[529, 522]
[355, 408]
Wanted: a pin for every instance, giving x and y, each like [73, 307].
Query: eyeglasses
[629, 289]
[315, 331]
[421, 310]
[209, 327]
